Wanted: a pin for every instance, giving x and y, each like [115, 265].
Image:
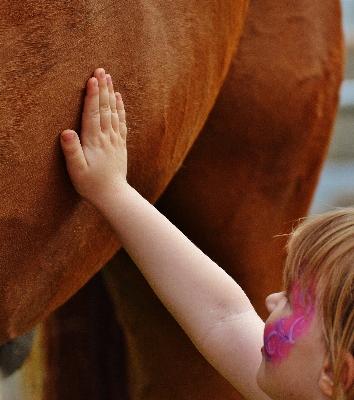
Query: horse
[229, 146]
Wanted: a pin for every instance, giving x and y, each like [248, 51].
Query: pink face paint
[280, 336]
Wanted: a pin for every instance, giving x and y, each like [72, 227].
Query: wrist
[109, 198]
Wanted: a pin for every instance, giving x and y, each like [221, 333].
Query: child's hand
[99, 162]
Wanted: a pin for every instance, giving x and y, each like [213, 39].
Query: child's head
[321, 256]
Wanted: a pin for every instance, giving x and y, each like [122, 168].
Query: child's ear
[348, 371]
[326, 377]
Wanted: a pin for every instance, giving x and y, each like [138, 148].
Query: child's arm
[207, 303]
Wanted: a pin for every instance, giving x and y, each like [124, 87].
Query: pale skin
[209, 305]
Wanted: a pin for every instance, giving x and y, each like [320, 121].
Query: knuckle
[73, 151]
[93, 113]
[105, 108]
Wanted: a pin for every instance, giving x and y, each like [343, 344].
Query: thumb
[74, 155]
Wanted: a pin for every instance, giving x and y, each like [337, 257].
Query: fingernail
[109, 79]
[118, 96]
[95, 82]
[67, 137]
[103, 74]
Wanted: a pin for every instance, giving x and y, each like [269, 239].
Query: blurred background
[336, 186]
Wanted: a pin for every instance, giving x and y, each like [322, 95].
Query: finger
[90, 123]
[105, 109]
[113, 105]
[121, 116]
[74, 155]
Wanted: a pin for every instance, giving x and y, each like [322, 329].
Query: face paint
[280, 336]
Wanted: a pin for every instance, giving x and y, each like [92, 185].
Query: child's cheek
[280, 337]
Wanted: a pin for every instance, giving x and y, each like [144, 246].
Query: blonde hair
[320, 252]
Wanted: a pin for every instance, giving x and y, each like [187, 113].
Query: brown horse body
[170, 59]
[250, 174]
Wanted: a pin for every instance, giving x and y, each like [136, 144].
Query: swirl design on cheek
[278, 341]
[280, 337]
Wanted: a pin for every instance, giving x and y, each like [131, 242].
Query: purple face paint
[280, 336]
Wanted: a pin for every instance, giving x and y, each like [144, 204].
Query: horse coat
[249, 93]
